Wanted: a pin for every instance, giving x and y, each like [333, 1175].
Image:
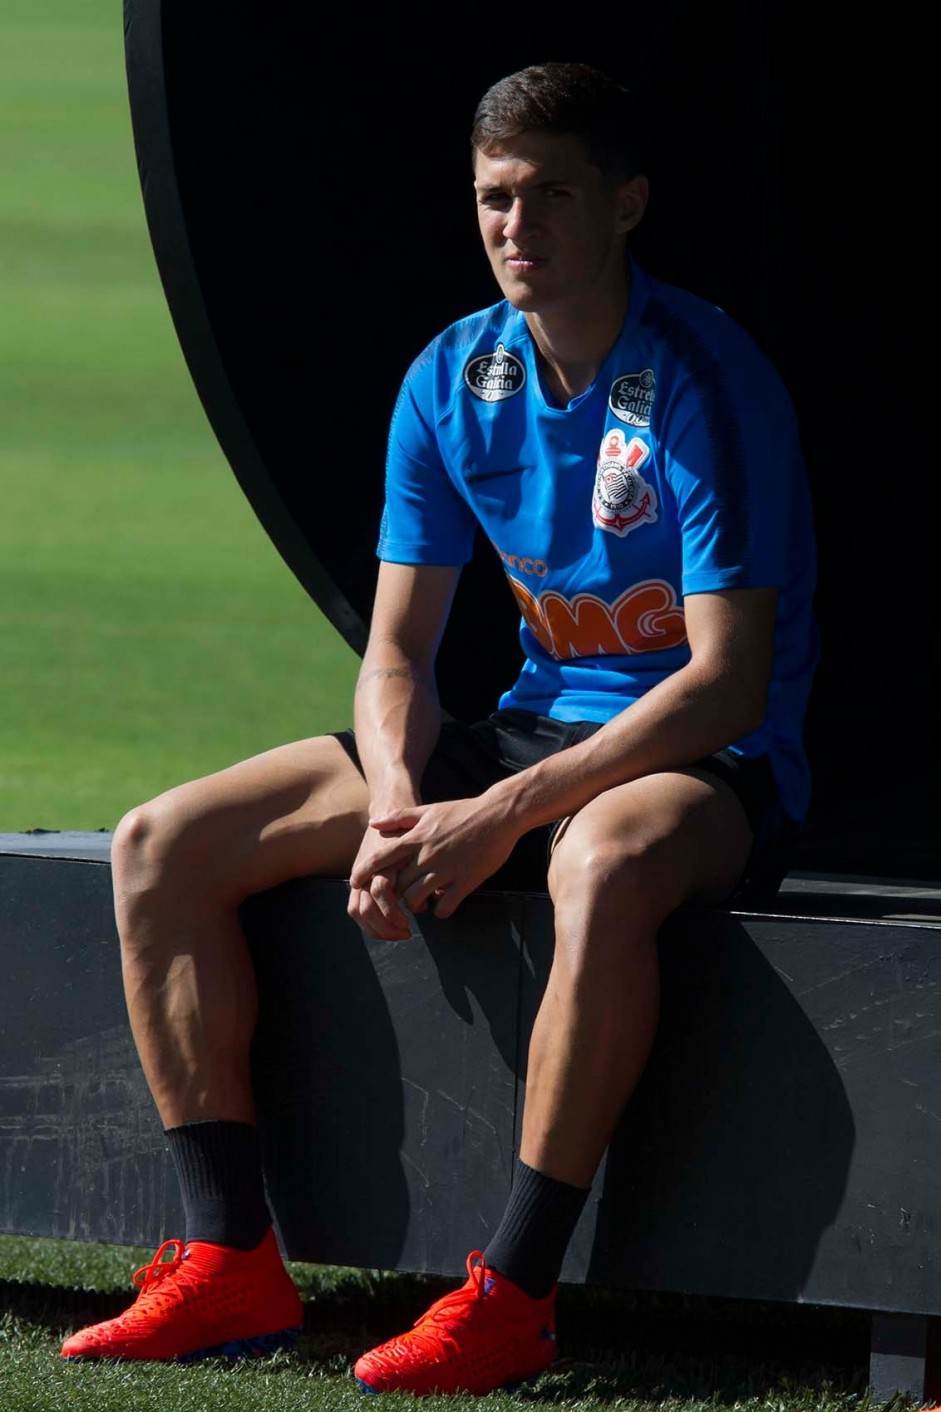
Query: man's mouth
[524, 264]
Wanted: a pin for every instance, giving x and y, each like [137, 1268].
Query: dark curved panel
[216, 144]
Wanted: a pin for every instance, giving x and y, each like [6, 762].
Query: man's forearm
[718, 697]
[679, 721]
[397, 719]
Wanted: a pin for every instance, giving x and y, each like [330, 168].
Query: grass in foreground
[621, 1351]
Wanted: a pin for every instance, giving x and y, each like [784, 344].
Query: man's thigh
[666, 839]
[293, 811]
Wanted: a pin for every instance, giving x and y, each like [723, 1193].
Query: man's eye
[554, 192]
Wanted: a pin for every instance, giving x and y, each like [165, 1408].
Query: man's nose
[519, 220]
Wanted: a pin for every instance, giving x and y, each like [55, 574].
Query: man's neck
[572, 344]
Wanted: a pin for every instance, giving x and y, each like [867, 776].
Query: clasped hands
[427, 857]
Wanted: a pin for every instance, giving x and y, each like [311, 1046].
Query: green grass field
[150, 631]
[617, 1351]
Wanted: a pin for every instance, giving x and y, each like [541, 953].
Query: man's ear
[632, 202]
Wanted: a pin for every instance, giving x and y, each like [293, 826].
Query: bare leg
[624, 863]
[182, 864]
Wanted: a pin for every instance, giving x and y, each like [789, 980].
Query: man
[634, 460]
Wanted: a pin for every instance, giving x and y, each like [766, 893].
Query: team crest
[631, 397]
[622, 499]
[493, 377]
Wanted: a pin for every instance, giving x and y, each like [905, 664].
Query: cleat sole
[259, 1346]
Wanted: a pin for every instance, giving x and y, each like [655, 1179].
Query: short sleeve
[734, 463]
[425, 519]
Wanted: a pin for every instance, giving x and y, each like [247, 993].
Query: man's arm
[717, 697]
[397, 717]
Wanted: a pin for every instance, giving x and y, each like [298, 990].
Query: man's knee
[181, 838]
[606, 921]
[586, 862]
[594, 874]
[155, 840]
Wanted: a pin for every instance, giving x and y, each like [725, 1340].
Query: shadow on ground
[612, 1345]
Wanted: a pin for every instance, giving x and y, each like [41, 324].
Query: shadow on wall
[385, 1074]
[697, 1192]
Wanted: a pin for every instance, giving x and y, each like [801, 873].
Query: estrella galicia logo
[493, 377]
[631, 397]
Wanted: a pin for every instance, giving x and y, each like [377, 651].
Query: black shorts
[468, 759]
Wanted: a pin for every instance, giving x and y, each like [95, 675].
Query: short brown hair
[574, 99]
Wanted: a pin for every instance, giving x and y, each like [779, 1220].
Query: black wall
[310, 203]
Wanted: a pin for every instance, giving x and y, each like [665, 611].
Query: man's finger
[433, 900]
[445, 901]
[397, 822]
[374, 922]
[421, 891]
[381, 859]
[385, 896]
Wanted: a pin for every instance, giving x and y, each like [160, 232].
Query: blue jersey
[678, 471]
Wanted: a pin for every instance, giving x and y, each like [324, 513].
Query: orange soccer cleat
[488, 1334]
[199, 1300]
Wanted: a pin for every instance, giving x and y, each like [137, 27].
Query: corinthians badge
[622, 499]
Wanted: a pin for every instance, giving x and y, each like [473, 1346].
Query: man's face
[553, 225]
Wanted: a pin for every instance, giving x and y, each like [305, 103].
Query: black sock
[530, 1242]
[218, 1165]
